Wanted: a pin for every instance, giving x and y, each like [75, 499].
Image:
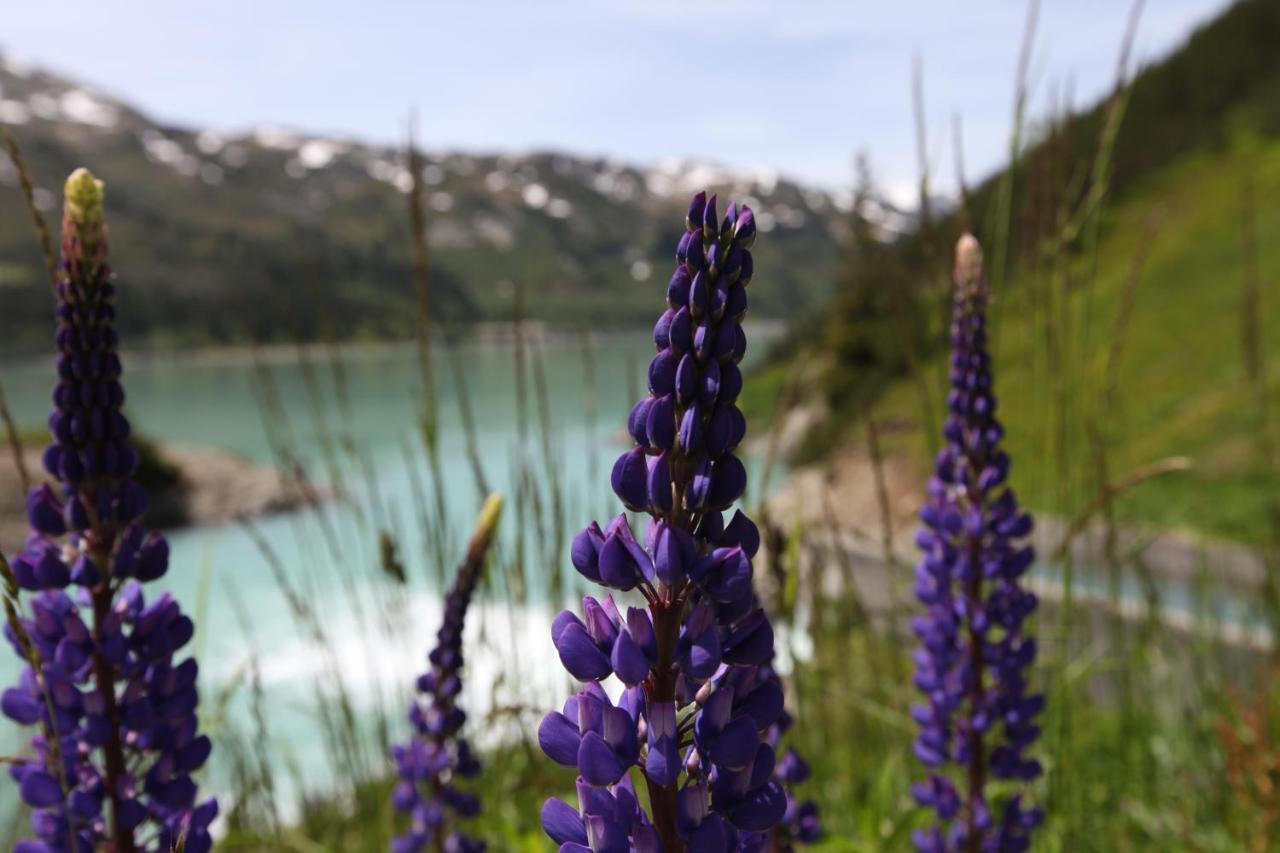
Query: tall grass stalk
[28, 197]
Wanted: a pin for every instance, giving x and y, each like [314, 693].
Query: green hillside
[1120, 324]
[1181, 386]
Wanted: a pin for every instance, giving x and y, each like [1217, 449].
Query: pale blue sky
[798, 85]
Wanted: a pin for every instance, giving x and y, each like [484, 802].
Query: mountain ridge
[278, 235]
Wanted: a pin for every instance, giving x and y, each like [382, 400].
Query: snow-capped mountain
[276, 234]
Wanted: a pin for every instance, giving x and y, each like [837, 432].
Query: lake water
[358, 424]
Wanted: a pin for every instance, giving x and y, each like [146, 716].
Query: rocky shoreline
[206, 486]
[842, 508]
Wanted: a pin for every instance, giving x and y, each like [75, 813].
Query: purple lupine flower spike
[979, 716]
[119, 743]
[698, 701]
[437, 756]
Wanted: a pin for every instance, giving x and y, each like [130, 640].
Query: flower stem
[977, 758]
[975, 463]
[104, 675]
[661, 687]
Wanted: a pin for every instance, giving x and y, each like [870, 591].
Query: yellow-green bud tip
[486, 529]
[487, 523]
[84, 198]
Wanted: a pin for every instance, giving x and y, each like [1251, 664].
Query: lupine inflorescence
[974, 655]
[698, 695]
[117, 739]
[437, 755]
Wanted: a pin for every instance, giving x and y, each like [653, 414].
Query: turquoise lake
[364, 414]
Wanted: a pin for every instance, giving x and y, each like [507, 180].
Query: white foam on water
[510, 660]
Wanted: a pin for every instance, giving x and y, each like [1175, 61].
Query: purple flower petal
[662, 330]
[662, 764]
[638, 422]
[690, 438]
[606, 835]
[686, 379]
[693, 219]
[629, 661]
[674, 554]
[728, 482]
[45, 511]
[710, 390]
[719, 432]
[562, 823]
[735, 747]
[680, 334]
[559, 738]
[597, 762]
[744, 230]
[580, 655]
[40, 789]
[741, 532]
[630, 479]
[678, 287]
[659, 484]
[585, 551]
[761, 809]
[699, 296]
[662, 373]
[661, 422]
[20, 706]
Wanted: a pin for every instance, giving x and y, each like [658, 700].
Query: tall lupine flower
[697, 698]
[103, 678]
[972, 664]
[436, 755]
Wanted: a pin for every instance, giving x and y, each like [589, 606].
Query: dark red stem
[104, 675]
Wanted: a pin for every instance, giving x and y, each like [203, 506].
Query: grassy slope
[1181, 381]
